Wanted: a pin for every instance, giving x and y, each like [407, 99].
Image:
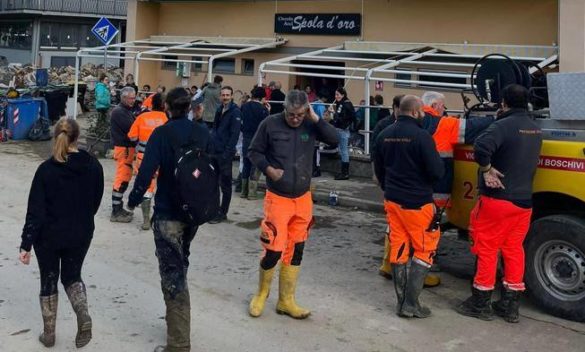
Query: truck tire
[555, 265]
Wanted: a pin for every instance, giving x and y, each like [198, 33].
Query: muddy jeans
[172, 240]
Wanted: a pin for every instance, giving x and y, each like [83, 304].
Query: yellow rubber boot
[432, 280]
[386, 268]
[259, 299]
[286, 297]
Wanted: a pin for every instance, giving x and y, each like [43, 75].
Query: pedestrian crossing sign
[104, 30]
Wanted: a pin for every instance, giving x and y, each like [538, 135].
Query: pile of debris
[23, 76]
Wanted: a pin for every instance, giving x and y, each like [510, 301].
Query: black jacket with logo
[407, 163]
[283, 147]
[512, 145]
[344, 114]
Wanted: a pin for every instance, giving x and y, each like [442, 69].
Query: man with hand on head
[282, 149]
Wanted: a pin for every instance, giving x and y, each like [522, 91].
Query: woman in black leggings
[65, 195]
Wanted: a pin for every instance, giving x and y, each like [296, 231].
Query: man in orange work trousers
[407, 164]
[282, 149]
[121, 120]
[447, 132]
[140, 132]
[507, 155]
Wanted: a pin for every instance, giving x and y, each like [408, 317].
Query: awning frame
[389, 65]
[157, 50]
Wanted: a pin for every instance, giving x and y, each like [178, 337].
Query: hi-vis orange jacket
[448, 131]
[143, 127]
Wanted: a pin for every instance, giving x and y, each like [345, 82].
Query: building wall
[572, 35]
[525, 22]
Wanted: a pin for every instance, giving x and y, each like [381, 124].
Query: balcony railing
[84, 7]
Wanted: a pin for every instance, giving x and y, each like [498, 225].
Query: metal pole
[76, 86]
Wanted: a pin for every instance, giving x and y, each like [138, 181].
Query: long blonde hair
[66, 134]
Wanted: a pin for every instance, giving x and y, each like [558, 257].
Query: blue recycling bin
[21, 114]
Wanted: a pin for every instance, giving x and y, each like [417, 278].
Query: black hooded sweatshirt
[63, 200]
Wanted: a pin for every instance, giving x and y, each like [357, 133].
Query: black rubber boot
[399, 273]
[508, 306]
[478, 305]
[414, 286]
[344, 175]
[238, 183]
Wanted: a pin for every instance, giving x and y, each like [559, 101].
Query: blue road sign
[104, 30]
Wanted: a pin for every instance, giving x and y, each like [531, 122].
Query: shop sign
[318, 24]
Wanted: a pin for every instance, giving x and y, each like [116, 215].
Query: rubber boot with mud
[414, 286]
[478, 305]
[238, 183]
[257, 304]
[253, 190]
[386, 267]
[78, 297]
[432, 280]
[287, 285]
[49, 312]
[178, 318]
[245, 188]
[119, 214]
[508, 307]
[145, 206]
[400, 279]
[344, 175]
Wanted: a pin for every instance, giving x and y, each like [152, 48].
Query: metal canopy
[158, 48]
[387, 61]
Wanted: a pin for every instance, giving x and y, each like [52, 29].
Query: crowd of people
[413, 164]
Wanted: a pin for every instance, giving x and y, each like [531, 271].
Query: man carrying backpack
[173, 228]
[282, 149]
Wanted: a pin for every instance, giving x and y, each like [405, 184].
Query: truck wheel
[555, 265]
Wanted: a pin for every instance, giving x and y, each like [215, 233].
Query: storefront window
[49, 34]
[224, 66]
[68, 34]
[87, 39]
[16, 35]
[248, 66]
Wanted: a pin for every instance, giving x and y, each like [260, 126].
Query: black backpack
[197, 180]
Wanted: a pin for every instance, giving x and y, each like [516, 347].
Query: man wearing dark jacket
[507, 154]
[173, 232]
[283, 150]
[122, 119]
[253, 112]
[225, 134]
[406, 165]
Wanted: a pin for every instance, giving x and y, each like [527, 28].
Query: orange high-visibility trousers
[150, 191]
[286, 224]
[124, 157]
[409, 231]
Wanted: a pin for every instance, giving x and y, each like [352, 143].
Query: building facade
[47, 33]
[495, 22]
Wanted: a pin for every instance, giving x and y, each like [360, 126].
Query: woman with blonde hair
[64, 197]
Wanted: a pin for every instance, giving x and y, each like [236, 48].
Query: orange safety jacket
[447, 132]
[143, 127]
[147, 103]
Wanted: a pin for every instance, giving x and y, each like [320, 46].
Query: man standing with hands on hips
[507, 154]
[283, 150]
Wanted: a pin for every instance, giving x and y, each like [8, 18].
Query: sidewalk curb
[351, 202]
